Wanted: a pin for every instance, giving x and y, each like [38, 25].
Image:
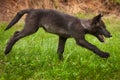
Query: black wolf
[64, 25]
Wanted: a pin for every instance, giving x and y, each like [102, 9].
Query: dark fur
[65, 26]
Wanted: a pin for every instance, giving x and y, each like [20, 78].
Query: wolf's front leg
[85, 44]
[61, 46]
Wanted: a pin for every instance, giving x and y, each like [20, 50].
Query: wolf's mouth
[101, 38]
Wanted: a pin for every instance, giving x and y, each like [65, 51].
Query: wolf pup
[63, 25]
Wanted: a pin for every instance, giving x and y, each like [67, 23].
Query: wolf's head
[99, 29]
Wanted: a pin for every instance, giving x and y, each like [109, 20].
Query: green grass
[116, 1]
[35, 58]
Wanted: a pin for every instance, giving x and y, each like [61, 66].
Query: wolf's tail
[17, 17]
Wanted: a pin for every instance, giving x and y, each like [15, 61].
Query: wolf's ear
[97, 18]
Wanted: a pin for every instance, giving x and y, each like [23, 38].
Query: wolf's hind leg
[17, 36]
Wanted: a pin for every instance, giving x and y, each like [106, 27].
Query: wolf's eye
[97, 24]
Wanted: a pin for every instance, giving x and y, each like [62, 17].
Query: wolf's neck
[86, 24]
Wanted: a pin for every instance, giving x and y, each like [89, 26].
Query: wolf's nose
[110, 35]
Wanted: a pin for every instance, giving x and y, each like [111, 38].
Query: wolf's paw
[60, 56]
[6, 52]
[105, 55]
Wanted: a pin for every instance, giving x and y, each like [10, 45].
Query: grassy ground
[35, 58]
